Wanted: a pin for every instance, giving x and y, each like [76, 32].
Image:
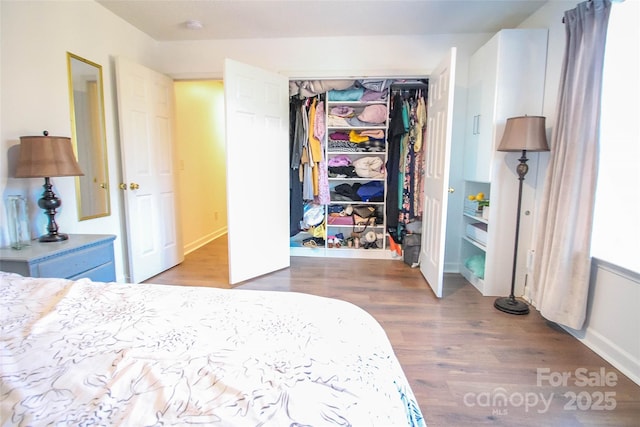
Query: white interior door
[145, 111]
[436, 183]
[257, 145]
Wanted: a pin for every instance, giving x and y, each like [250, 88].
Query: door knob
[451, 189]
[133, 186]
[122, 186]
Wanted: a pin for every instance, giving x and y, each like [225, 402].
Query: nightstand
[82, 255]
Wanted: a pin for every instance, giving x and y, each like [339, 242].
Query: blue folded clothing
[353, 94]
[371, 191]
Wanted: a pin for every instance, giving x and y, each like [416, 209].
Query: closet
[258, 147]
[356, 166]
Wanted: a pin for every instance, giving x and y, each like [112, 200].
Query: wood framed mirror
[86, 99]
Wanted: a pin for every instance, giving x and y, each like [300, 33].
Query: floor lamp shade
[44, 157]
[526, 133]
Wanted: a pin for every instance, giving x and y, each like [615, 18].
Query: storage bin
[471, 207]
[411, 249]
[478, 232]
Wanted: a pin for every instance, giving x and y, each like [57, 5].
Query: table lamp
[44, 157]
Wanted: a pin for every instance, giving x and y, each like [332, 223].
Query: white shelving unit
[471, 247]
[381, 250]
[506, 79]
[380, 226]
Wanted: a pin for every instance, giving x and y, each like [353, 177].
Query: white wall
[550, 17]
[611, 327]
[35, 37]
[392, 56]
[321, 57]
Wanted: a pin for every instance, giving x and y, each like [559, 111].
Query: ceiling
[165, 20]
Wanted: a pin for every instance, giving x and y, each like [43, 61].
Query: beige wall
[202, 163]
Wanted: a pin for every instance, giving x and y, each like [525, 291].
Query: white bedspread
[85, 353]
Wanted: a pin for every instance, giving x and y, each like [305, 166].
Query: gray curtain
[562, 258]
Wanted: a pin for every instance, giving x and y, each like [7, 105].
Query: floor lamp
[526, 133]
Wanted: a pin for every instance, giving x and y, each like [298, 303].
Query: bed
[90, 353]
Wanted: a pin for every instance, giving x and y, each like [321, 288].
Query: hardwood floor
[468, 364]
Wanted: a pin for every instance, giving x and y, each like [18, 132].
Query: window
[616, 228]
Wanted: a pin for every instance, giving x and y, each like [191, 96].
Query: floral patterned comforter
[87, 353]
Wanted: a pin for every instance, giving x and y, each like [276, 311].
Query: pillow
[369, 167]
[374, 114]
[475, 263]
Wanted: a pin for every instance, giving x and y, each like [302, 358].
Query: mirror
[86, 99]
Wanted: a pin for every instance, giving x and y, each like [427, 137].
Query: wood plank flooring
[468, 364]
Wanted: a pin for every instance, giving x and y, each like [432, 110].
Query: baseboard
[609, 351]
[192, 246]
[613, 294]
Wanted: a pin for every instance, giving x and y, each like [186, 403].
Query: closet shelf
[476, 218]
[357, 103]
[369, 227]
[357, 127]
[357, 179]
[357, 153]
[477, 282]
[352, 249]
[474, 243]
[354, 202]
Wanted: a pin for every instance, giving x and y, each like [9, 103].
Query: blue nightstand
[83, 255]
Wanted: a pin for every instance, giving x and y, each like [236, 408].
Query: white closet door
[436, 183]
[257, 145]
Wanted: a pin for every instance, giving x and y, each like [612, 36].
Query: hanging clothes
[407, 207]
[405, 181]
[308, 140]
[394, 139]
[296, 202]
[323, 197]
[315, 149]
[404, 152]
[420, 149]
[307, 163]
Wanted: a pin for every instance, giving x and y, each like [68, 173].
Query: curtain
[562, 258]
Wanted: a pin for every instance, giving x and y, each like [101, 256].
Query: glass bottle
[18, 221]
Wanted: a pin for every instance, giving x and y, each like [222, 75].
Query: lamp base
[511, 305]
[58, 237]
[49, 202]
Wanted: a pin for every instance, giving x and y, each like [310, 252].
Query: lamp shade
[46, 156]
[524, 133]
